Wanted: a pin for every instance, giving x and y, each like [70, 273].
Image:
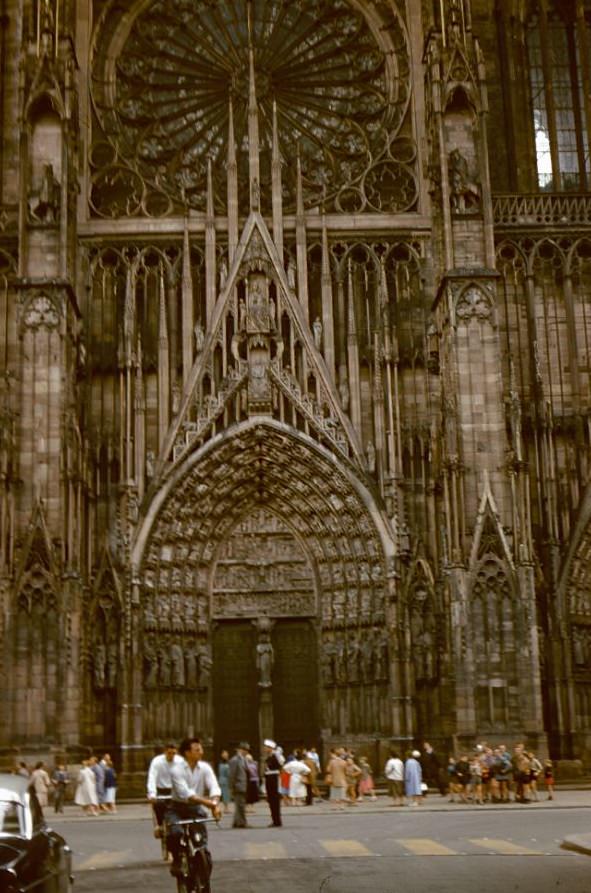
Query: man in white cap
[273, 763]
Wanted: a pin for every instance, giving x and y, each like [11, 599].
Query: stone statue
[265, 658]
[241, 315]
[205, 665]
[112, 664]
[165, 668]
[177, 665]
[99, 664]
[150, 461]
[579, 647]
[191, 667]
[48, 198]
[370, 453]
[328, 661]
[344, 393]
[317, 329]
[291, 274]
[150, 666]
[382, 656]
[464, 194]
[199, 337]
[223, 273]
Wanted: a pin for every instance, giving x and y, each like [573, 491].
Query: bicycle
[195, 866]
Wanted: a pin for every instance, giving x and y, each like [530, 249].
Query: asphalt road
[366, 850]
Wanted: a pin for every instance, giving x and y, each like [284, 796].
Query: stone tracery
[340, 83]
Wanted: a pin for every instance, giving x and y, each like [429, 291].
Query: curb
[577, 843]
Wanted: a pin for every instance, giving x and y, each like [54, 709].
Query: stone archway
[346, 547]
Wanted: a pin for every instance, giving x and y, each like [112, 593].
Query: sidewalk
[140, 811]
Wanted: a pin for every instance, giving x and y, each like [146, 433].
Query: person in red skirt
[366, 785]
[549, 778]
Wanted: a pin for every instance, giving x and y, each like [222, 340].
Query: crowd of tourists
[95, 789]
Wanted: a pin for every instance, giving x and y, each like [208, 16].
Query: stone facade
[295, 392]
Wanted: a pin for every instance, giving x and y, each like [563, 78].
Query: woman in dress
[224, 779]
[297, 770]
[86, 795]
[413, 778]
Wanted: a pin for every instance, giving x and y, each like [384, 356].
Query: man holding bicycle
[194, 786]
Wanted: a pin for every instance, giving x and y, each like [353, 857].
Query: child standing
[549, 778]
[366, 785]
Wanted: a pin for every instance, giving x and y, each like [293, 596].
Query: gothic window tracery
[495, 637]
[557, 38]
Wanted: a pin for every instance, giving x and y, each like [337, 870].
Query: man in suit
[238, 781]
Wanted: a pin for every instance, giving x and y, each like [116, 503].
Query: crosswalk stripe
[505, 847]
[345, 848]
[424, 846]
[269, 850]
[104, 860]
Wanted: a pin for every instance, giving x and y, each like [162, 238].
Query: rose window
[164, 76]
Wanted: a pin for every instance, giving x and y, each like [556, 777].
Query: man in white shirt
[159, 784]
[394, 772]
[194, 786]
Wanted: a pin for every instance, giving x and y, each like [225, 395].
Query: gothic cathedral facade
[295, 355]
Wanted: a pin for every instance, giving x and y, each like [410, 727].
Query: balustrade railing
[542, 209]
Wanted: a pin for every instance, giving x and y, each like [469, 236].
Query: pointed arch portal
[261, 570]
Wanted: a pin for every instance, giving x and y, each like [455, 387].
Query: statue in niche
[580, 643]
[199, 335]
[223, 273]
[258, 310]
[164, 662]
[370, 453]
[328, 661]
[317, 329]
[177, 662]
[150, 462]
[367, 652]
[45, 206]
[341, 662]
[265, 659]
[205, 665]
[353, 659]
[464, 193]
[150, 666]
[176, 399]
[241, 315]
[344, 394]
[381, 656]
[99, 663]
[112, 664]
[191, 657]
[291, 274]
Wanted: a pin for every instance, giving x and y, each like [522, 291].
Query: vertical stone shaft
[253, 137]
[301, 245]
[327, 307]
[187, 308]
[210, 264]
[276, 188]
[232, 188]
[163, 366]
[353, 353]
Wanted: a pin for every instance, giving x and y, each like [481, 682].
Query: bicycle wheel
[201, 872]
[184, 882]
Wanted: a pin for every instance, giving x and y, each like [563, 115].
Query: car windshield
[11, 817]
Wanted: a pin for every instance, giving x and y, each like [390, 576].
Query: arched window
[558, 42]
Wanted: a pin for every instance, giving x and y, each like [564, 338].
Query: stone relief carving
[40, 312]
